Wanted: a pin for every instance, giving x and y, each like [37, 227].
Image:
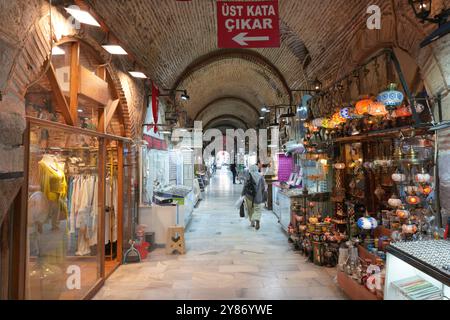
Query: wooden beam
[101, 73]
[110, 110]
[101, 205]
[93, 87]
[120, 199]
[59, 97]
[115, 95]
[74, 79]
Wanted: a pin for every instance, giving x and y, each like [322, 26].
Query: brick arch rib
[231, 98]
[223, 54]
[225, 118]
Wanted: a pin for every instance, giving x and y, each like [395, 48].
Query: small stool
[175, 240]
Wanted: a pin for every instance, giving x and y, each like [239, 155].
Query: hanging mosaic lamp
[346, 113]
[317, 122]
[423, 176]
[392, 97]
[394, 201]
[367, 223]
[402, 213]
[337, 118]
[425, 189]
[326, 123]
[413, 199]
[402, 112]
[377, 109]
[362, 106]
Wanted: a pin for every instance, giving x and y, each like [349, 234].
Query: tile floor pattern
[225, 259]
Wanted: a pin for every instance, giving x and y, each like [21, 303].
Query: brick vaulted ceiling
[176, 42]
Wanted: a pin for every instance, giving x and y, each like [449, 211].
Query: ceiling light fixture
[138, 74]
[82, 16]
[422, 9]
[185, 96]
[317, 85]
[114, 49]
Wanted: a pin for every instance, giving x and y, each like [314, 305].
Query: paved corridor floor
[225, 259]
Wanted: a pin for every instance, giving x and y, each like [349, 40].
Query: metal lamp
[422, 8]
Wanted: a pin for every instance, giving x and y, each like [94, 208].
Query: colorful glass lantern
[395, 202]
[317, 122]
[398, 177]
[339, 166]
[362, 106]
[422, 176]
[392, 97]
[326, 123]
[425, 189]
[402, 213]
[367, 223]
[402, 112]
[337, 118]
[346, 113]
[409, 228]
[413, 199]
[377, 109]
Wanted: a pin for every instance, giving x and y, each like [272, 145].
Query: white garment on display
[112, 203]
[83, 213]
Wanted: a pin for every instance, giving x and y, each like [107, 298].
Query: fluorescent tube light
[82, 16]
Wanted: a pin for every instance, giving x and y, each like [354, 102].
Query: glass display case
[63, 213]
[154, 172]
[418, 270]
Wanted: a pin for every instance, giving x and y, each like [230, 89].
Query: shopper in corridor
[255, 195]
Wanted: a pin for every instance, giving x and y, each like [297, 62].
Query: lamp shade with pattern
[392, 97]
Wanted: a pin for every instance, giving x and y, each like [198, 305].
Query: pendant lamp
[346, 113]
[392, 97]
[377, 109]
[367, 223]
[362, 106]
[402, 112]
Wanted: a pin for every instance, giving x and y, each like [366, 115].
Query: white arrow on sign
[242, 40]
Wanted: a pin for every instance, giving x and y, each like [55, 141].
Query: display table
[416, 270]
[159, 217]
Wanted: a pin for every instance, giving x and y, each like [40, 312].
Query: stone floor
[225, 259]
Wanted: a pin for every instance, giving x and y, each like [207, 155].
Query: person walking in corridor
[255, 195]
[233, 171]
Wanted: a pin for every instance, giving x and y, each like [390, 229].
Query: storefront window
[155, 172]
[63, 214]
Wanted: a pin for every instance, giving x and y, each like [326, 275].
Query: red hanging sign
[155, 109]
[252, 24]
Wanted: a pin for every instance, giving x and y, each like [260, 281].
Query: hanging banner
[252, 24]
[155, 101]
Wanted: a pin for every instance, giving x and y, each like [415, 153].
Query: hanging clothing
[83, 211]
[112, 205]
[52, 178]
